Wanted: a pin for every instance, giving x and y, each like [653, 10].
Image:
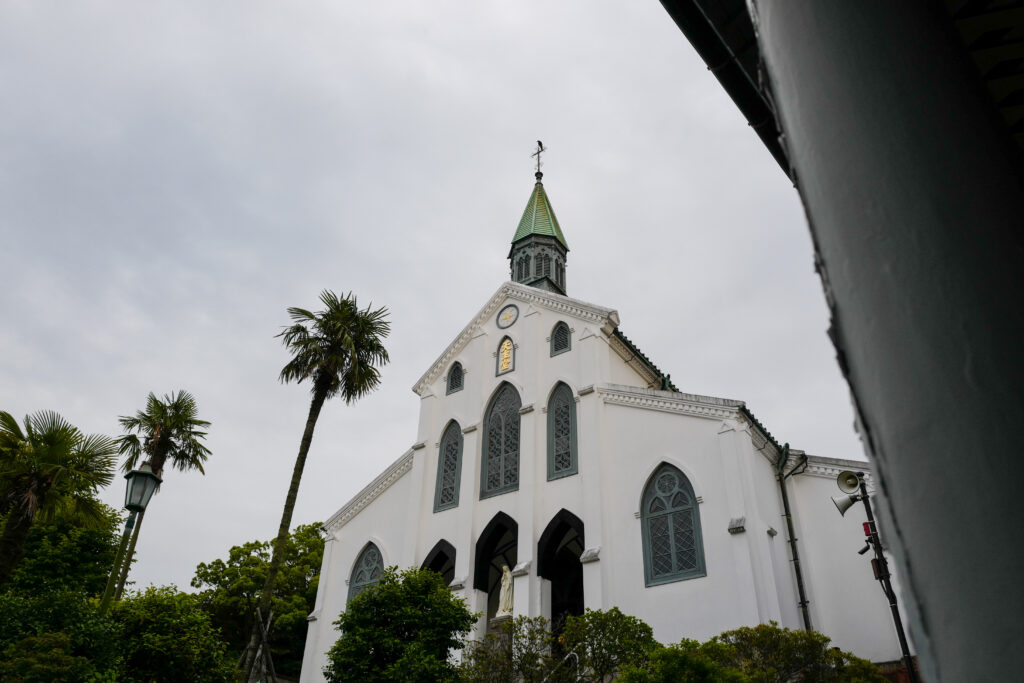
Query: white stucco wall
[625, 431]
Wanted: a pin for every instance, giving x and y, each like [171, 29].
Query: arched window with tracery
[562, 459]
[368, 568]
[500, 470]
[561, 338]
[672, 543]
[449, 468]
[454, 378]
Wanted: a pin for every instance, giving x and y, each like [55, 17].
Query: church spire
[539, 249]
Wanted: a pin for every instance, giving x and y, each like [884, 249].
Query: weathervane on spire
[540, 148]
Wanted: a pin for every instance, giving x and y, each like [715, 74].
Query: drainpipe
[780, 467]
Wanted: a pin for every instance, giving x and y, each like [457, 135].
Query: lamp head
[142, 484]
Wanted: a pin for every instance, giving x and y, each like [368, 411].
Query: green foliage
[59, 629]
[64, 555]
[769, 654]
[165, 636]
[605, 641]
[48, 468]
[675, 664]
[401, 629]
[231, 591]
[519, 651]
[171, 428]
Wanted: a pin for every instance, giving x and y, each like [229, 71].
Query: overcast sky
[174, 175]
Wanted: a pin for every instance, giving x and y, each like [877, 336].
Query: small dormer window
[455, 378]
[561, 339]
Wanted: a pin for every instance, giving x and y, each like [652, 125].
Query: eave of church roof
[539, 218]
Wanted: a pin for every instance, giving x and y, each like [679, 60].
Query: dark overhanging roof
[722, 34]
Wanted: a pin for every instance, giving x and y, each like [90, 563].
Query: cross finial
[540, 148]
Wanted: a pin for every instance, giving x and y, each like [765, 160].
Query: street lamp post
[142, 484]
[848, 483]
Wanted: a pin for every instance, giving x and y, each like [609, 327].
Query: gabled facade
[549, 443]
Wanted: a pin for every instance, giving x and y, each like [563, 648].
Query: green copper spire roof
[539, 217]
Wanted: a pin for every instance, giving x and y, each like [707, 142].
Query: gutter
[780, 467]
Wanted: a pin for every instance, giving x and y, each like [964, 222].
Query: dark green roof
[665, 380]
[539, 218]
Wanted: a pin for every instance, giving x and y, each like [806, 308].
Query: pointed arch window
[455, 378]
[544, 265]
[672, 543]
[449, 468]
[562, 460]
[500, 470]
[369, 566]
[561, 338]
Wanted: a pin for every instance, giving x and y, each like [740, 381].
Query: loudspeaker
[848, 482]
[844, 503]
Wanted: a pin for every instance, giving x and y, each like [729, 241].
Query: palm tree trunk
[282, 532]
[12, 543]
[128, 558]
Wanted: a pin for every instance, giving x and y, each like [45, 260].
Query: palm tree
[48, 468]
[339, 350]
[171, 430]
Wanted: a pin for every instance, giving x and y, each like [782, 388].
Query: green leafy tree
[64, 555]
[48, 468]
[55, 635]
[231, 591]
[674, 664]
[403, 628]
[519, 651]
[170, 430]
[768, 653]
[164, 636]
[605, 641]
[338, 350]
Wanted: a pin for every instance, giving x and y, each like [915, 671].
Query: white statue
[505, 597]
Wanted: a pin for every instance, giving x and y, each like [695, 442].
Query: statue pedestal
[494, 624]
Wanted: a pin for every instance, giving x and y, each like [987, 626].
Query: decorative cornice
[634, 361]
[605, 317]
[669, 401]
[470, 428]
[370, 493]
[829, 468]
[526, 409]
[590, 555]
[521, 569]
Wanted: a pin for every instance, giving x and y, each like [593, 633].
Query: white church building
[548, 442]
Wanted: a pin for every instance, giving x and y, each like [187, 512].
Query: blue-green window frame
[568, 337]
[561, 397]
[449, 388]
[369, 564]
[674, 518]
[450, 447]
[507, 427]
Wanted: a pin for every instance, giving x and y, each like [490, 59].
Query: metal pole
[780, 467]
[882, 572]
[108, 592]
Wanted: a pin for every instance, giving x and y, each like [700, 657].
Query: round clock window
[507, 316]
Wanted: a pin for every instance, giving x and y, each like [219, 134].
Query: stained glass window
[367, 571]
[673, 549]
[449, 468]
[561, 433]
[500, 470]
[455, 378]
[560, 339]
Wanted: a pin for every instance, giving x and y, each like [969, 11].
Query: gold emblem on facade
[505, 356]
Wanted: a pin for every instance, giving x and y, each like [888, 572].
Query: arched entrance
[495, 547]
[441, 559]
[558, 561]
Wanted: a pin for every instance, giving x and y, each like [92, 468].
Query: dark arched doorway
[558, 561]
[495, 547]
[442, 560]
